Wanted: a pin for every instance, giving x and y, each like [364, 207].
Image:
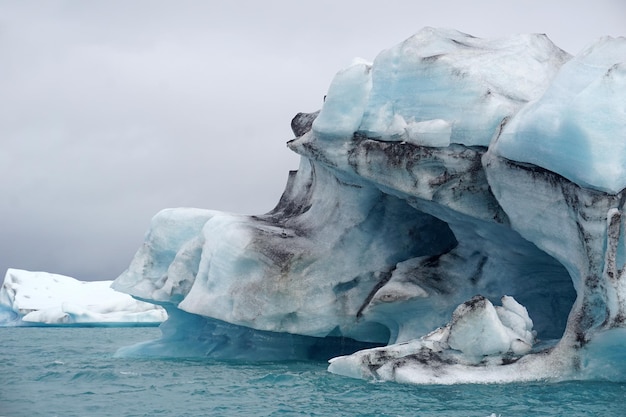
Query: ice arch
[421, 185]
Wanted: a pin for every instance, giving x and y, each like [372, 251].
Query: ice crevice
[433, 232]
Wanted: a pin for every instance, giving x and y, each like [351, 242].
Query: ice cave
[456, 217]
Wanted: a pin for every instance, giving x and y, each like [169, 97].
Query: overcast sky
[113, 110]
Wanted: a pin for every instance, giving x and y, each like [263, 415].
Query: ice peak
[467, 84]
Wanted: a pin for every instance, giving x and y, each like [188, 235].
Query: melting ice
[456, 217]
[41, 298]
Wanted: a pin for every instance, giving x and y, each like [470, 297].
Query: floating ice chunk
[45, 298]
[480, 329]
[476, 329]
[476, 343]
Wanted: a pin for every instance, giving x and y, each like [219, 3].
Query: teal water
[72, 372]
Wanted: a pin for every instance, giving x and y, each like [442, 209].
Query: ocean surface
[73, 372]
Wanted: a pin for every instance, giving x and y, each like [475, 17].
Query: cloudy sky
[113, 110]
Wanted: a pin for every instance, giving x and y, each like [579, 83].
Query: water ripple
[39, 376]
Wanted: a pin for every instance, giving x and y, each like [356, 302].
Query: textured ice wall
[568, 202]
[576, 129]
[439, 87]
[413, 196]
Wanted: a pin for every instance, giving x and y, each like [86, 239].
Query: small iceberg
[43, 299]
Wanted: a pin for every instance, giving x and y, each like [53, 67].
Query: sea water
[73, 372]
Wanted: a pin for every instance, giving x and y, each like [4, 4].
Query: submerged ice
[40, 298]
[456, 217]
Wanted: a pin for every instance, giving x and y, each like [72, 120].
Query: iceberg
[43, 299]
[458, 208]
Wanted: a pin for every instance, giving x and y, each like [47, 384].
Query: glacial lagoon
[61, 371]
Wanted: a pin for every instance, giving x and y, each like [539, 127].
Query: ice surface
[418, 203]
[576, 129]
[439, 87]
[478, 329]
[42, 298]
[474, 345]
[346, 100]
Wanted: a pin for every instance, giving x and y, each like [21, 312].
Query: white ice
[42, 298]
[486, 350]
[472, 347]
[346, 100]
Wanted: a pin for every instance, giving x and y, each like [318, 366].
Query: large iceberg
[30, 298]
[458, 207]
